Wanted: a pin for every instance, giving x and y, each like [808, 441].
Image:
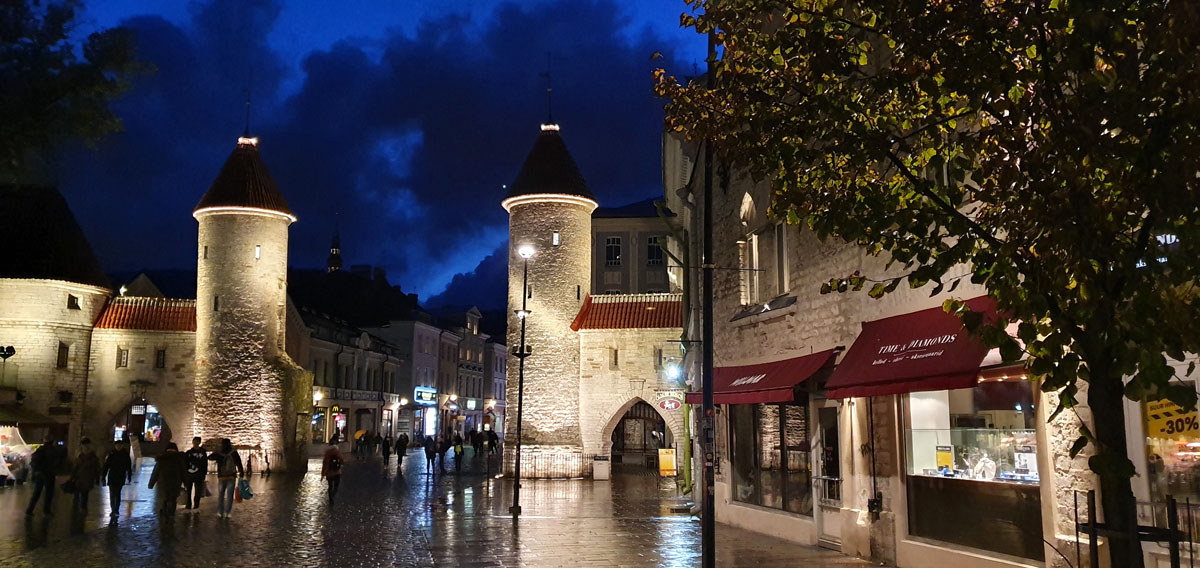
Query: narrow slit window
[64, 352]
[555, 239]
[122, 357]
[257, 252]
[205, 252]
[72, 302]
[160, 359]
[216, 303]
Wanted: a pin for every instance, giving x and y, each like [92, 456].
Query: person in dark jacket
[118, 469]
[43, 463]
[86, 474]
[169, 470]
[401, 449]
[443, 447]
[331, 467]
[229, 469]
[386, 449]
[376, 442]
[197, 468]
[430, 452]
[458, 452]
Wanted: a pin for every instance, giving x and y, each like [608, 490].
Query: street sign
[666, 462]
[670, 404]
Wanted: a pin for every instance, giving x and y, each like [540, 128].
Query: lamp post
[6, 352]
[526, 252]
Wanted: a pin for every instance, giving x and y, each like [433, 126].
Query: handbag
[237, 493]
[244, 489]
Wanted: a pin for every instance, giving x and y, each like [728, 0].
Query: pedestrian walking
[118, 469]
[376, 442]
[229, 469]
[331, 467]
[169, 470]
[387, 450]
[430, 452]
[401, 449]
[443, 447]
[493, 442]
[85, 475]
[458, 452]
[43, 464]
[197, 469]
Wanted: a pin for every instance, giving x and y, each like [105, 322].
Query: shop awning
[920, 351]
[764, 382]
[12, 415]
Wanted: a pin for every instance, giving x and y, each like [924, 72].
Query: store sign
[668, 393]
[425, 396]
[471, 403]
[670, 404]
[138, 410]
[1167, 420]
[921, 348]
[666, 462]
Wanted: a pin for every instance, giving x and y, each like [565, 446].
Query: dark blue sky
[405, 117]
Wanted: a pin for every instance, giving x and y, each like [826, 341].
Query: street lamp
[526, 252]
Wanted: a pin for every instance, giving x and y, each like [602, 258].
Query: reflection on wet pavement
[383, 519]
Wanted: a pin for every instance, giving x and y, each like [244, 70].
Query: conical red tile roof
[245, 182]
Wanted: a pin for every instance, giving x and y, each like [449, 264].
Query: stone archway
[614, 414]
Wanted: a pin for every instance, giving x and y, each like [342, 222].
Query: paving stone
[381, 518]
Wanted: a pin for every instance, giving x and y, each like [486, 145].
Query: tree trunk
[1106, 399]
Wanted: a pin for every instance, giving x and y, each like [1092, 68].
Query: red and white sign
[670, 404]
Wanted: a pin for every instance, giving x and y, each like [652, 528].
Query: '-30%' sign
[1167, 420]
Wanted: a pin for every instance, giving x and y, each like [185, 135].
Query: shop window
[748, 261]
[160, 359]
[770, 456]
[612, 251]
[1173, 455]
[72, 302]
[64, 352]
[781, 258]
[654, 252]
[971, 458]
[318, 425]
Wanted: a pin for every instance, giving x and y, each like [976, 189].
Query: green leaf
[1015, 93]
[1078, 446]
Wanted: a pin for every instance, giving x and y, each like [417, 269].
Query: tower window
[578, 292]
[658, 358]
[64, 352]
[616, 358]
[122, 358]
[612, 251]
[529, 291]
[72, 302]
[160, 359]
[216, 303]
[205, 255]
[654, 252]
[257, 252]
[554, 239]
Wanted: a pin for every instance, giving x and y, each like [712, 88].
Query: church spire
[335, 249]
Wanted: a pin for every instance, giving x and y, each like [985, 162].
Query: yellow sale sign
[1167, 420]
[666, 462]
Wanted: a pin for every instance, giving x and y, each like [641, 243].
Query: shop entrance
[638, 435]
[143, 421]
[829, 476]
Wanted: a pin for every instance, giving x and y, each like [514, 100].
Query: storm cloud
[408, 138]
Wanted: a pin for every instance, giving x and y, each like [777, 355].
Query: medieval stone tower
[245, 382]
[549, 207]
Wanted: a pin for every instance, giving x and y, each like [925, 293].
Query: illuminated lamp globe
[526, 251]
[673, 371]
[403, 402]
[317, 396]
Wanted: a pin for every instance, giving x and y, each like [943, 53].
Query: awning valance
[764, 382]
[919, 351]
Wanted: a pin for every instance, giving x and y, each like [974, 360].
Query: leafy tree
[1051, 145]
[53, 89]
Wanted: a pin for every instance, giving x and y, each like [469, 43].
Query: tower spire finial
[247, 132]
[549, 92]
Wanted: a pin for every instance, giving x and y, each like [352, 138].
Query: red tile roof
[245, 182]
[153, 314]
[630, 311]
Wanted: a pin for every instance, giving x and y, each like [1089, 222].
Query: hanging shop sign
[425, 396]
[666, 462]
[670, 404]
[1167, 420]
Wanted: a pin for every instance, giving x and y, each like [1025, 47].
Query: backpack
[335, 463]
[228, 467]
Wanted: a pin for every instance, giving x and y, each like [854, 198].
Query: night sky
[406, 117]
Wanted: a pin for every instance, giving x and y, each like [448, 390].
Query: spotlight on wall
[453, 397]
[673, 371]
[403, 402]
[522, 314]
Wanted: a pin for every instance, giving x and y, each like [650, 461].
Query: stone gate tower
[245, 382]
[550, 208]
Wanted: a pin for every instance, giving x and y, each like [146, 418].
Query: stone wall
[558, 280]
[606, 391]
[34, 318]
[243, 375]
[171, 389]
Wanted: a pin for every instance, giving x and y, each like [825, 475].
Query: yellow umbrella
[359, 434]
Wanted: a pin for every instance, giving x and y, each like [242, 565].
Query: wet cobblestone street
[384, 519]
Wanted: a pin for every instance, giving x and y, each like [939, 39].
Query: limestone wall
[35, 317]
[558, 279]
[242, 370]
[111, 389]
[607, 391]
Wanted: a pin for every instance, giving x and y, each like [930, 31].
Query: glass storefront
[1172, 452]
[973, 477]
[319, 420]
[339, 424]
[770, 456]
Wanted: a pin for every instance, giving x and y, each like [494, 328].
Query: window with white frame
[122, 357]
[654, 251]
[749, 262]
[781, 258]
[612, 251]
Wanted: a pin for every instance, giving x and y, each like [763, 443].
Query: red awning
[764, 382]
[921, 351]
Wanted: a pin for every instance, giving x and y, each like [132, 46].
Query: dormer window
[72, 302]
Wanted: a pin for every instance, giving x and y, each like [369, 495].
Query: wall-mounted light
[526, 251]
[403, 402]
[673, 371]
[317, 396]
[453, 397]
